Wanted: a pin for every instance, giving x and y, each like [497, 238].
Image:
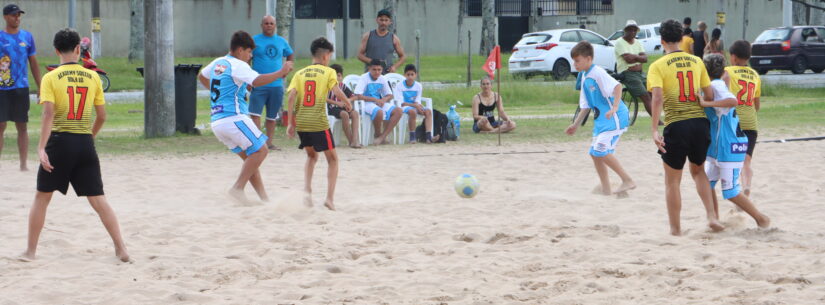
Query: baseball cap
[12, 9]
[631, 23]
[385, 12]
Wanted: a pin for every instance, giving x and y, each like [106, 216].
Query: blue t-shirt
[269, 54]
[727, 141]
[597, 92]
[228, 77]
[15, 50]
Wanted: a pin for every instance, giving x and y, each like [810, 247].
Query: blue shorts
[728, 172]
[271, 97]
[476, 129]
[605, 143]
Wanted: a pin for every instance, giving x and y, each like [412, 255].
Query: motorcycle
[89, 63]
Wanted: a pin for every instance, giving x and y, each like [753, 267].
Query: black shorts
[686, 139]
[75, 161]
[752, 135]
[14, 105]
[318, 140]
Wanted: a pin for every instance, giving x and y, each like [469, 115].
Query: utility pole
[745, 20]
[72, 10]
[271, 7]
[96, 29]
[331, 35]
[159, 71]
[346, 28]
[787, 13]
[136, 31]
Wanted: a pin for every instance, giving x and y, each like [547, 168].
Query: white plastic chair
[365, 132]
[399, 132]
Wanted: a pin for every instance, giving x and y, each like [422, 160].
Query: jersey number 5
[747, 88]
[214, 89]
[691, 96]
[309, 93]
[72, 91]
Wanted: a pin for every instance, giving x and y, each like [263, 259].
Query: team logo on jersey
[738, 148]
[219, 69]
[271, 51]
[22, 44]
[217, 109]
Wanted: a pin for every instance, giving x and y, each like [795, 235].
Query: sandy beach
[533, 235]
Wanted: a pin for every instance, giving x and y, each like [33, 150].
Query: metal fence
[526, 8]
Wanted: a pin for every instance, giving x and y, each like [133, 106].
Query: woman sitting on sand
[484, 104]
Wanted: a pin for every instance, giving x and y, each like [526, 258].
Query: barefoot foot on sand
[764, 222]
[626, 186]
[715, 225]
[329, 205]
[598, 190]
[122, 255]
[237, 195]
[25, 257]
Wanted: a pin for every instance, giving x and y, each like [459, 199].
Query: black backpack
[439, 128]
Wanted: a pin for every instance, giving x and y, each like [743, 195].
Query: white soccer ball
[466, 186]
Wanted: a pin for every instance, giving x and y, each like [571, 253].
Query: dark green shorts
[635, 83]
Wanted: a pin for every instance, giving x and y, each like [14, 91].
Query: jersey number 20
[71, 92]
[747, 88]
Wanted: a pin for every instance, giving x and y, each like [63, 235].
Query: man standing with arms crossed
[380, 44]
[630, 55]
[270, 49]
[17, 46]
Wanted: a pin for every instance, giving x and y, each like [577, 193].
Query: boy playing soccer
[343, 110]
[746, 85]
[409, 93]
[227, 78]
[728, 143]
[675, 80]
[67, 148]
[602, 92]
[375, 90]
[307, 110]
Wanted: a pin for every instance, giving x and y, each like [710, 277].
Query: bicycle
[632, 103]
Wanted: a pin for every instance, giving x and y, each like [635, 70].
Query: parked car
[548, 52]
[795, 48]
[648, 35]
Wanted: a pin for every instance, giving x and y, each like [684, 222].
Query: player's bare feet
[626, 186]
[329, 205]
[237, 195]
[26, 257]
[599, 190]
[356, 146]
[122, 255]
[715, 225]
[24, 168]
[676, 231]
[763, 222]
[308, 199]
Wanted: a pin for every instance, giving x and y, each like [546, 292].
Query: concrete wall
[203, 27]
[762, 14]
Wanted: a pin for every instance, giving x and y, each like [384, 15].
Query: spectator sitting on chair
[484, 104]
[374, 89]
[343, 110]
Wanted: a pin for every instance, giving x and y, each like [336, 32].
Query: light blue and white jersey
[228, 78]
[597, 92]
[375, 88]
[728, 144]
[411, 94]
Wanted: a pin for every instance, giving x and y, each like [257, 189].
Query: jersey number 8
[309, 93]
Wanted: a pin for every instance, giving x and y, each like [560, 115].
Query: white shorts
[372, 109]
[239, 134]
[728, 172]
[605, 143]
[407, 109]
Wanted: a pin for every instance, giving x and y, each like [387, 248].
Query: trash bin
[186, 84]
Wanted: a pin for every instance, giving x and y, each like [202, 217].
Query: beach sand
[534, 234]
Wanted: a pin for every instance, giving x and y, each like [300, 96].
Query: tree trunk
[284, 17]
[488, 27]
[136, 32]
[390, 6]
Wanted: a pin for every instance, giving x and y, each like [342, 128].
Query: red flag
[493, 62]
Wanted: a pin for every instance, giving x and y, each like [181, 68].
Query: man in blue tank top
[380, 44]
